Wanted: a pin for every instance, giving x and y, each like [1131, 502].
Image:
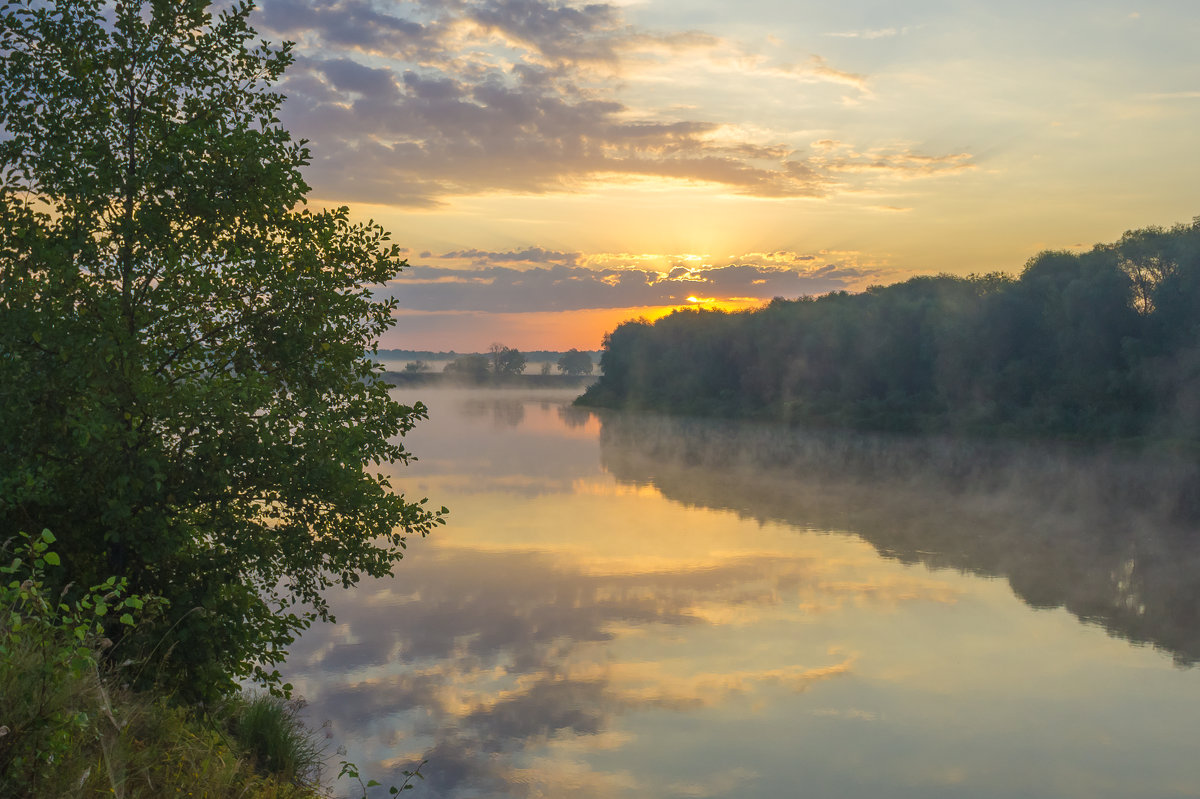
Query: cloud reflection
[540, 644]
[489, 653]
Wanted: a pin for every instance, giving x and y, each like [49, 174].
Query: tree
[473, 367]
[574, 362]
[506, 360]
[184, 396]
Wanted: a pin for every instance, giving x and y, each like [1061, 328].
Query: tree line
[502, 361]
[1104, 343]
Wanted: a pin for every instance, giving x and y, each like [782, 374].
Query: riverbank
[443, 380]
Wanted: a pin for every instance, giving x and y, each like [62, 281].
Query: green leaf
[218, 403]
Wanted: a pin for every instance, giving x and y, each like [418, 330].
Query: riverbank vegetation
[187, 402]
[74, 726]
[1103, 344]
[487, 380]
[501, 367]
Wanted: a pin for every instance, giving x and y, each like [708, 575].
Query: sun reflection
[608, 488]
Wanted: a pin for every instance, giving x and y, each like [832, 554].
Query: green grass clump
[269, 728]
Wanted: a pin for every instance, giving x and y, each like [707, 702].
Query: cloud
[873, 33]
[444, 99]
[819, 67]
[540, 280]
[557, 31]
[1184, 95]
[530, 255]
[900, 163]
[350, 24]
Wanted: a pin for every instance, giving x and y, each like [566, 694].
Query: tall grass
[269, 729]
[69, 727]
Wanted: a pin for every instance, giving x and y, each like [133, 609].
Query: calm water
[633, 607]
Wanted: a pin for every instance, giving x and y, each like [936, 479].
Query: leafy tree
[574, 362]
[506, 360]
[473, 367]
[1098, 344]
[184, 395]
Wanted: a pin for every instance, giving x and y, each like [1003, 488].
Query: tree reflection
[574, 417]
[1109, 535]
[505, 412]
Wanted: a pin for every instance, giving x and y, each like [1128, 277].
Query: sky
[553, 168]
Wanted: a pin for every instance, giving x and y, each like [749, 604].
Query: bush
[52, 699]
[70, 727]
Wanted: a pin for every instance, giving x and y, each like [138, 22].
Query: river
[625, 606]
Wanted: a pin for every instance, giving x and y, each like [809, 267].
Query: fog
[1109, 534]
[628, 605]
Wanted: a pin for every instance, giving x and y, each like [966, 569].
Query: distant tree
[185, 398]
[413, 367]
[506, 360]
[473, 367]
[574, 362]
[546, 367]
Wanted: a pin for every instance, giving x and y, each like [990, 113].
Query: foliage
[184, 395]
[51, 695]
[350, 770]
[500, 362]
[506, 360]
[72, 729]
[574, 362]
[416, 366]
[165, 750]
[472, 367]
[1100, 344]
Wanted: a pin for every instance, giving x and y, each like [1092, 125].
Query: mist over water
[1109, 534]
[632, 606]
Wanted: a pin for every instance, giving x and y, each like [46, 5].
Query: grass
[269, 729]
[86, 739]
[69, 727]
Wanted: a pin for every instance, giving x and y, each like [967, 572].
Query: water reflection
[574, 417]
[502, 654]
[1113, 536]
[504, 412]
[630, 607]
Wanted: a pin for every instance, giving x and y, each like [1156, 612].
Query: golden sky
[553, 168]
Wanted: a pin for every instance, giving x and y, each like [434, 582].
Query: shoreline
[440, 379]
